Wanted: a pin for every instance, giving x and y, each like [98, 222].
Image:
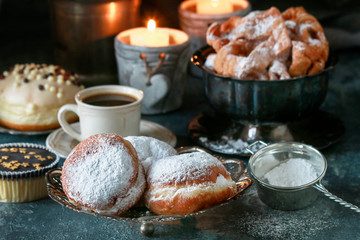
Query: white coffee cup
[120, 119]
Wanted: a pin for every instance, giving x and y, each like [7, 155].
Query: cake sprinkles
[17, 159]
[22, 171]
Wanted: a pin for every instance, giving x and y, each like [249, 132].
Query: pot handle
[326, 192]
[250, 147]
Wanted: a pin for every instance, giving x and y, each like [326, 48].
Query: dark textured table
[25, 38]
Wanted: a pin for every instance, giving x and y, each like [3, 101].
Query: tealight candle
[155, 62]
[214, 6]
[195, 16]
[150, 36]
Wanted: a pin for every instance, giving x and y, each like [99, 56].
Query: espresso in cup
[104, 109]
[109, 99]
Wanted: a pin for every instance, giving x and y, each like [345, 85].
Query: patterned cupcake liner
[15, 175]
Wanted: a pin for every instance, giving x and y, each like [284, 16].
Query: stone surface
[25, 38]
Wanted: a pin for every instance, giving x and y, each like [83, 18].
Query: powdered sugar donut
[103, 174]
[150, 149]
[187, 183]
[132, 196]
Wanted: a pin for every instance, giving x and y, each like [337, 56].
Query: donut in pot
[150, 149]
[187, 183]
[268, 45]
[102, 174]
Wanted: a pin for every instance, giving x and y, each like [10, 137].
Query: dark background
[25, 24]
[25, 37]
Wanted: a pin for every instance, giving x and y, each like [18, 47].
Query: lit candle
[150, 36]
[158, 71]
[214, 6]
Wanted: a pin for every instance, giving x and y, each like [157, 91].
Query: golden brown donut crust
[183, 205]
[189, 192]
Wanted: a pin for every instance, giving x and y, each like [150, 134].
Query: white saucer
[62, 143]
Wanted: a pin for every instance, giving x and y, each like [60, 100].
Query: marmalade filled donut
[103, 174]
[32, 94]
[150, 149]
[187, 183]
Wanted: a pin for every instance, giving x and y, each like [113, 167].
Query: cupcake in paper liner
[22, 171]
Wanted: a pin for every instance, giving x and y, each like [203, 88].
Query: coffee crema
[109, 99]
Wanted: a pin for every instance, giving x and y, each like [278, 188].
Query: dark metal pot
[255, 101]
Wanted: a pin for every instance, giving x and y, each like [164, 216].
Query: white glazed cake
[31, 95]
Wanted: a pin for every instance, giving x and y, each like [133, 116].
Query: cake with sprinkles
[22, 171]
[31, 95]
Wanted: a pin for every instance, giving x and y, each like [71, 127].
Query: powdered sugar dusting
[277, 67]
[225, 143]
[314, 41]
[253, 27]
[283, 225]
[131, 197]
[104, 173]
[304, 27]
[264, 26]
[228, 145]
[209, 63]
[181, 168]
[292, 173]
[150, 149]
[210, 35]
[278, 70]
[290, 24]
[252, 219]
[266, 36]
[299, 45]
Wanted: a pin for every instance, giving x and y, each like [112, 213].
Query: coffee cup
[104, 109]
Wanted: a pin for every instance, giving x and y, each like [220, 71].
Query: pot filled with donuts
[143, 180]
[266, 70]
[267, 66]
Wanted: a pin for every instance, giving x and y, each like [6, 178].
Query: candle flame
[214, 3]
[112, 7]
[151, 26]
[112, 10]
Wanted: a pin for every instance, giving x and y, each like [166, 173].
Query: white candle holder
[196, 24]
[158, 71]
